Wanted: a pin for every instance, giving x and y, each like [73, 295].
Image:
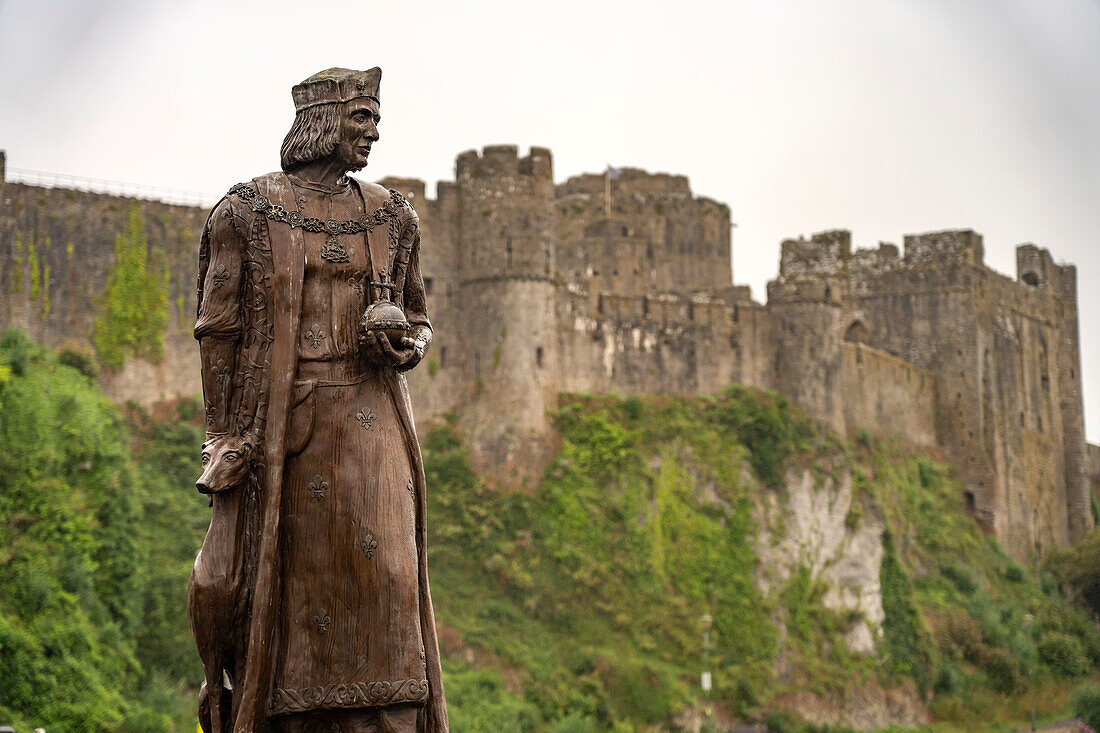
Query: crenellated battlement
[830, 253]
[504, 161]
[412, 189]
[950, 247]
[879, 259]
[822, 254]
[627, 182]
[1036, 268]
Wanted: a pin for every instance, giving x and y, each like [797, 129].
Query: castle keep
[624, 283]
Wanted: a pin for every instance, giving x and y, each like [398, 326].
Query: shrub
[964, 578]
[1085, 701]
[1004, 671]
[1079, 568]
[746, 696]
[768, 426]
[961, 637]
[17, 350]
[1014, 572]
[632, 406]
[1064, 654]
[79, 359]
[927, 473]
[489, 706]
[948, 679]
[574, 722]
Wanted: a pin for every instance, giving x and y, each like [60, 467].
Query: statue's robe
[349, 621]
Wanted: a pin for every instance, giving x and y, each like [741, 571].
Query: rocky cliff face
[811, 525]
[818, 525]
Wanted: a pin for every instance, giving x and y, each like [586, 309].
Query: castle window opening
[538, 357]
[427, 286]
[857, 333]
[442, 356]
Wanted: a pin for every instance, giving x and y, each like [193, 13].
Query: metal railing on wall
[46, 179]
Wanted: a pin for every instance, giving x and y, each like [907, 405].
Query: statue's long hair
[312, 136]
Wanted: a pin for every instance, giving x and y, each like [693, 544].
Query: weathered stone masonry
[537, 288]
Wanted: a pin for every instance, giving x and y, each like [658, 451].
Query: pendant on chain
[334, 251]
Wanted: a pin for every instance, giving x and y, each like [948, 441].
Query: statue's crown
[336, 85]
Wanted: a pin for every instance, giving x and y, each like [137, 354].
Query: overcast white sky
[878, 116]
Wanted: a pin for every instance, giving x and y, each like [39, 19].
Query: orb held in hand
[382, 316]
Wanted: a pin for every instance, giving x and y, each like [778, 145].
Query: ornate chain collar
[294, 219]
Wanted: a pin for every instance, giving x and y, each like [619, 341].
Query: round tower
[506, 264]
[805, 304]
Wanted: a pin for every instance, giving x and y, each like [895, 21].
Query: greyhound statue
[216, 592]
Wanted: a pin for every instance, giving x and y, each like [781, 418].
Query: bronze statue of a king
[309, 601]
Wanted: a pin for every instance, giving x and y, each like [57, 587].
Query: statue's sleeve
[416, 306]
[220, 322]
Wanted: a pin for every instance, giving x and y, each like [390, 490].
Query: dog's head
[224, 464]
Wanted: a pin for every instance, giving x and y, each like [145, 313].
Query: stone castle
[623, 283]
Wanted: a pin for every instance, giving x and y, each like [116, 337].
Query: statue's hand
[403, 355]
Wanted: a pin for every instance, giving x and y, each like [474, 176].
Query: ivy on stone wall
[134, 310]
[908, 643]
[45, 290]
[17, 276]
[32, 260]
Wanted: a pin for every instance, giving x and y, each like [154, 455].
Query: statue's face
[358, 131]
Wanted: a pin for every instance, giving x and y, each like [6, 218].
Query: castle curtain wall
[536, 288]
